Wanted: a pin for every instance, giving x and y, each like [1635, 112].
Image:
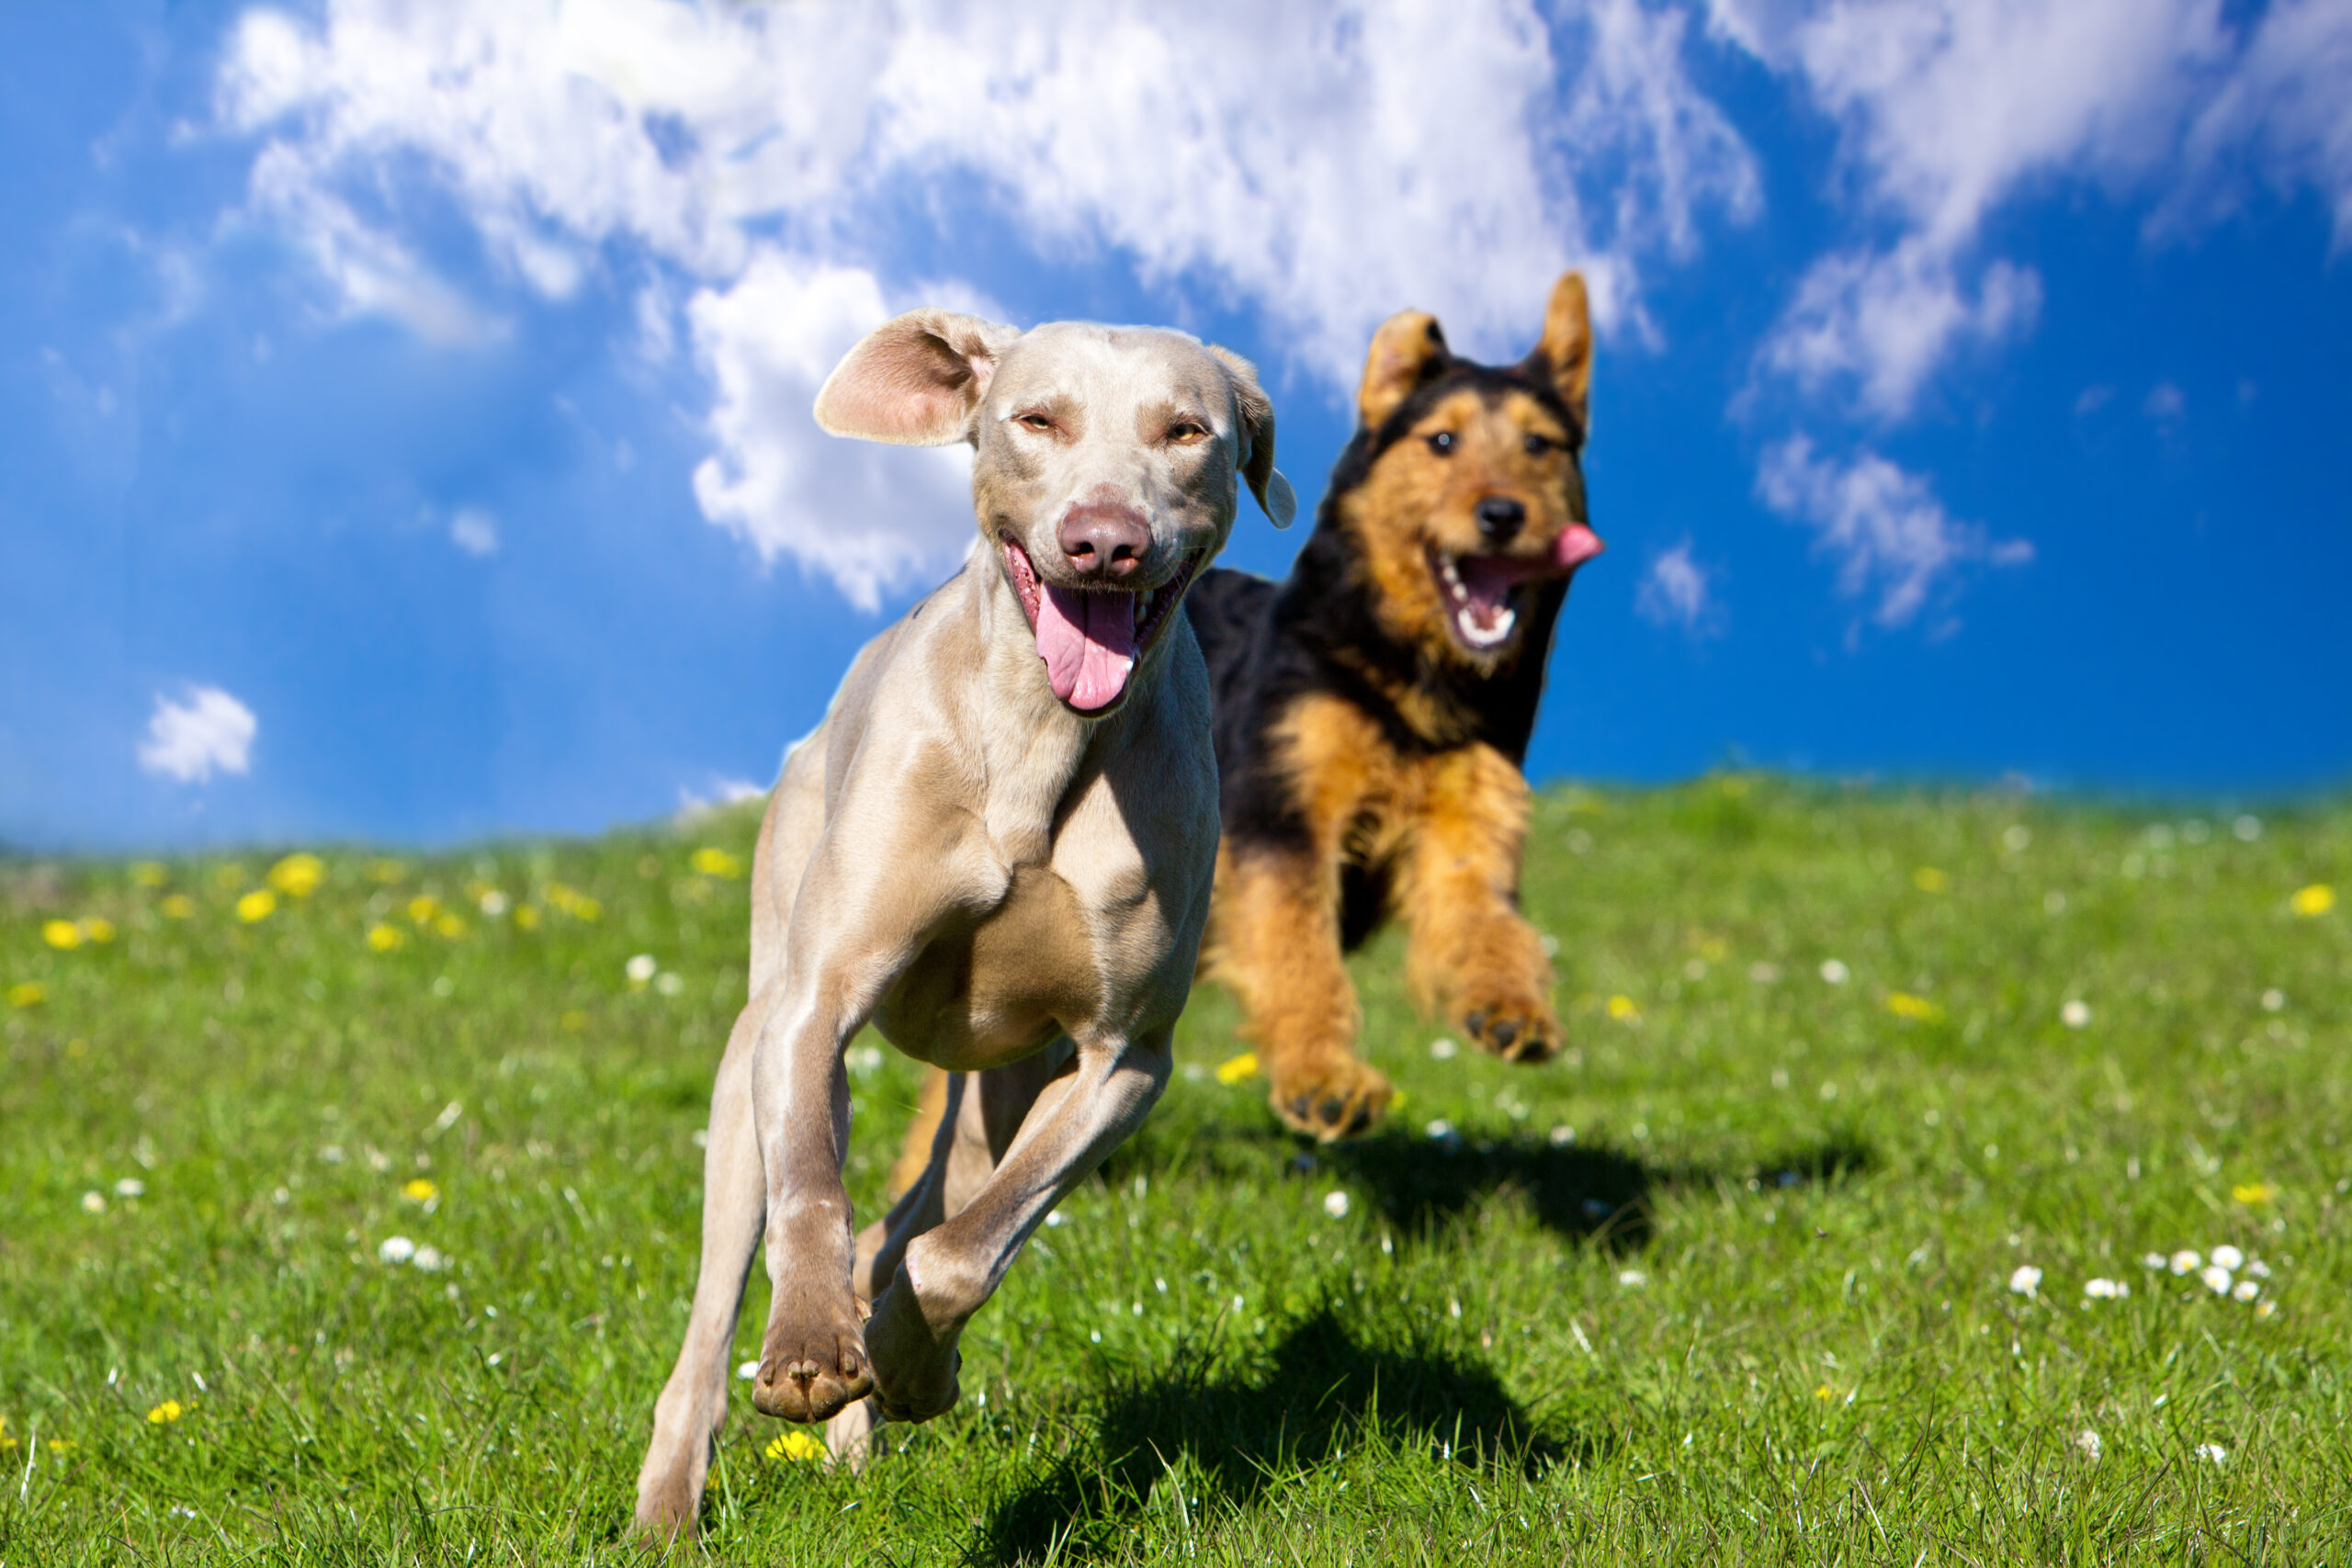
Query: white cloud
[1321, 165]
[474, 531]
[2289, 105]
[2166, 404]
[1883, 524]
[871, 518]
[1676, 591]
[188, 740]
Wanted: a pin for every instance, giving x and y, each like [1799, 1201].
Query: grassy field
[351, 1219]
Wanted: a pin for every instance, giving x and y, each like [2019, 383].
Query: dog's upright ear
[1564, 357]
[1276, 498]
[1408, 350]
[914, 380]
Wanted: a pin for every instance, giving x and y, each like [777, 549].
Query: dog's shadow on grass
[1323, 1391]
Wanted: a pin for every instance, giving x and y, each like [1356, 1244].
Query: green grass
[1727, 1283]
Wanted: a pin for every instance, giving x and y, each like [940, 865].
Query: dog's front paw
[810, 1375]
[1516, 1025]
[1330, 1097]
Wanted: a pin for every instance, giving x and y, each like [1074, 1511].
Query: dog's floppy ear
[1276, 498]
[1407, 351]
[914, 380]
[1564, 357]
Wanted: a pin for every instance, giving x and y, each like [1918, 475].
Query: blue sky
[403, 407]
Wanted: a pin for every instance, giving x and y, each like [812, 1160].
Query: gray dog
[998, 847]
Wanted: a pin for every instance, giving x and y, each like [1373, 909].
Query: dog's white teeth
[1488, 634]
[1452, 577]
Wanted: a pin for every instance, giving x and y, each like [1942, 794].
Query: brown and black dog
[1373, 711]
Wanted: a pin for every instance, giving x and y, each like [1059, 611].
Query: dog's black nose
[1106, 540]
[1501, 518]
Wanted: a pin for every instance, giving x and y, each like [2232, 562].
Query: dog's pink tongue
[1088, 641]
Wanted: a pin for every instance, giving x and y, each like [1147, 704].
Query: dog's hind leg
[692, 1407]
[1038, 1128]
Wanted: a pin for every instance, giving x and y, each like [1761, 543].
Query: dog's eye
[1185, 432]
[1037, 421]
[1537, 446]
[1442, 444]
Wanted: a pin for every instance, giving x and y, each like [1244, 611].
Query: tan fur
[1006, 887]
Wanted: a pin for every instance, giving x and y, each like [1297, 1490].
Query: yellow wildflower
[527, 918]
[163, 1414]
[177, 906]
[385, 871]
[385, 939]
[796, 1444]
[97, 928]
[1928, 879]
[297, 875]
[257, 904]
[1824, 1392]
[448, 925]
[573, 902]
[28, 994]
[6, 1442]
[420, 1190]
[2313, 901]
[422, 908]
[1234, 1070]
[63, 935]
[2253, 1192]
[149, 873]
[1622, 1010]
[1919, 1009]
[716, 862]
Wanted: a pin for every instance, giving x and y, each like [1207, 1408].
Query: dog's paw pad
[1333, 1100]
[811, 1378]
[1522, 1031]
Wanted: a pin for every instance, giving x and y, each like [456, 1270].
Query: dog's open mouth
[1091, 638]
[1482, 592]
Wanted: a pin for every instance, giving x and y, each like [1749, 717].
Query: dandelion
[383, 938]
[297, 875]
[93, 1203]
[527, 918]
[149, 873]
[420, 1190]
[572, 902]
[2026, 1281]
[1825, 1392]
[448, 926]
[1443, 1050]
[422, 908]
[176, 907]
[1335, 1203]
[2313, 901]
[797, 1445]
[256, 905]
[28, 994]
[1919, 1009]
[2216, 1278]
[97, 929]
[2088, 1442]
[2227, 1256]
[1622, 1010]
[396, 1251]
[2245, 1290]
[163, 1414]
[640, 970]
[2106, 1290]
[2187, 1260]
[63, 935]
[716, 863]
[2212, 1454]
[1233, 1069]
[1632, 1279]
[131, 1187]
[1835, 971]
[1928, 879]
